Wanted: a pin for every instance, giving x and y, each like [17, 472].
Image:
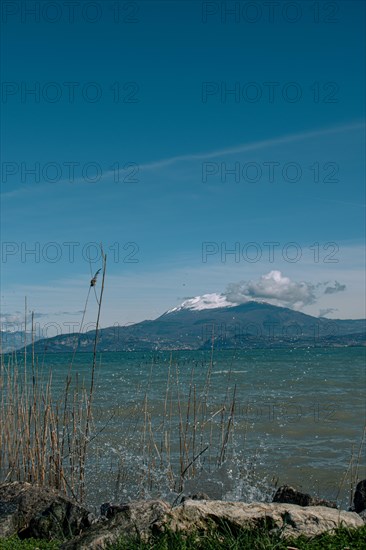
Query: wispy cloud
[154, 166]
[253, 146]
[336, 288]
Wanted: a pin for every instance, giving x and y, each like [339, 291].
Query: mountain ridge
[252, 324]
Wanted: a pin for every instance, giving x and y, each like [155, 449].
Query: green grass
[14, 543]
[249, 540]
[342, 539]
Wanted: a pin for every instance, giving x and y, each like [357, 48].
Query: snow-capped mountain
[194, 324]
[206, 301]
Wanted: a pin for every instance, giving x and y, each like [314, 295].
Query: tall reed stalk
[43, 438]
[185, 435]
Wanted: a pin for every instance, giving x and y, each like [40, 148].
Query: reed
[187, 433]
[351, 475]
[43, 438]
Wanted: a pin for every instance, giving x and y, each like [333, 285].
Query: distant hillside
[244, 326]
[13, 340]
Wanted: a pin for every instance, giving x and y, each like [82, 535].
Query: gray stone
[359, 499]
[291, 519]
[289, 495]
[146, 519]
[195, 496]
[142, 518]
[109, 510]
[33, 511]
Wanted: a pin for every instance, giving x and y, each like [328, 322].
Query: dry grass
[187, 432]
[44, 439]
[41, 438]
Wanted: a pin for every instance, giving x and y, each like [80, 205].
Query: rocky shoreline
[30, 511]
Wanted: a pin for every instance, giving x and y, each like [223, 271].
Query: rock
[142, 518]
[33, 511]
[104, 508]
[289, 495]
[196, 496]
[199, 496]
[291, 519]
[363, 515]
[109, 510]
[359, 499]
[146, 519]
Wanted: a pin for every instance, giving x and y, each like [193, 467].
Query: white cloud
[277, 289]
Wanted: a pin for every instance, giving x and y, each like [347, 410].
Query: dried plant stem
[91, 389]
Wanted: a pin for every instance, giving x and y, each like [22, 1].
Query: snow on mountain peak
[206, 301]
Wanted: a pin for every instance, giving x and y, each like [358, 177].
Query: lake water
[298, 418]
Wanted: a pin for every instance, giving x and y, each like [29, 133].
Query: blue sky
[224, 131]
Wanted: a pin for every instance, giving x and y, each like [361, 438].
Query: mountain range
[205, 320]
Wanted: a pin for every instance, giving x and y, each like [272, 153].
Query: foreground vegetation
[342, 539]
[46, 435]
[14, 543]
[44, 439]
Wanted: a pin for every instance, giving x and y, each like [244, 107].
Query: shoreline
[33, 512]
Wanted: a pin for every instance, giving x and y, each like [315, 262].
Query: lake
[231, 424]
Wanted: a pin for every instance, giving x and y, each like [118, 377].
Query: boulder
[33, 511]
[146, 519]
[359, 499]
[289, 495]
[141, 518]
[291, 519]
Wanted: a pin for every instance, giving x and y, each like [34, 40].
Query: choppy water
[298, 418]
